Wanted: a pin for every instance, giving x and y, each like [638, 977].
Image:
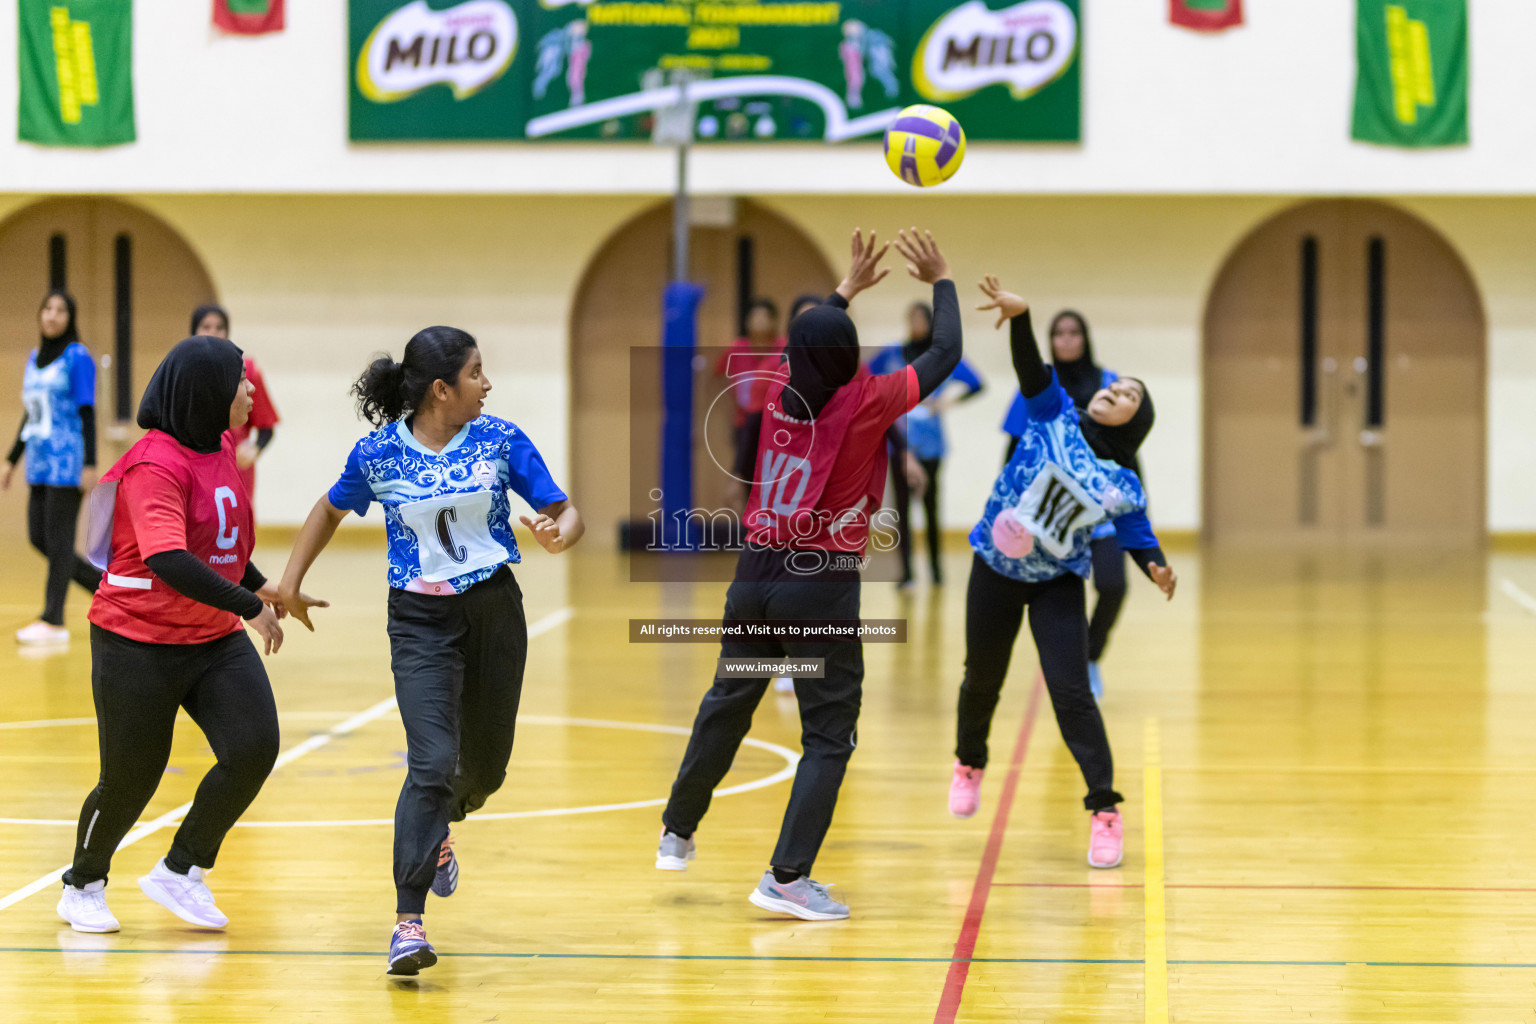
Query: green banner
[1411, 82]
[760, 70]
[75, 63]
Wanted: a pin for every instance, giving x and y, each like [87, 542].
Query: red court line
[965, 945]
[1282, 888]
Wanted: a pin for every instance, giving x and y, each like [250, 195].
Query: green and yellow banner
[760, 70]
[1411, 84]
[75, 63]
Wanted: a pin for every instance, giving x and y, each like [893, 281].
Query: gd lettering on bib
[453, 534]
[1054, 507]
[35, 395]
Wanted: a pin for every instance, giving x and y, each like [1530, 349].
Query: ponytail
[388, 390]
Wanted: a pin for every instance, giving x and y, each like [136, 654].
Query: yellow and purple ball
[924, 145]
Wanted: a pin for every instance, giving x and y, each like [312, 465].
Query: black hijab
[1120, 443]
[914, 347]
[49, 349]
[191, 391]
[1082, 377]
[204, 310]
[805, 300]
[823, 354]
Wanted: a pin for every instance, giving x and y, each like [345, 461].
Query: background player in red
[166, 634]
[820, 479]
[252, 439]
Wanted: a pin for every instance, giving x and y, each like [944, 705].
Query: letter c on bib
[451, 548]
[228, 535]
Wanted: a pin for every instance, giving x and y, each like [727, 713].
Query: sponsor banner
[75, 59]
[1206, 15]
[1411, 78]
[248, 17]
[760, 70]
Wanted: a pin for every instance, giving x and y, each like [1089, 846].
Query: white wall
[1260, 110]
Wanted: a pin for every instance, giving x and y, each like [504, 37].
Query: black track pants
[51, 516]
[994, 611]
[458, 662]
[138, 687]
[1109, 583]
[829, 713]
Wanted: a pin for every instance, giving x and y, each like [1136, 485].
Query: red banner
[1206, 15]
[248, 17]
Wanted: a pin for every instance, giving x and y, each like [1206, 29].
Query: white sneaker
[674, 852]
[86, 909]
[186, 896]
[41, 633]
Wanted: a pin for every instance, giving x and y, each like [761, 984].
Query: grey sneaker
[803, 898]
[675, 852]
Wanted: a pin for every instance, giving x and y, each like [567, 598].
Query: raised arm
[1033, 375]
[926, 263]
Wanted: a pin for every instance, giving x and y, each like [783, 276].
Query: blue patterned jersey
[1060, 491]
[53, 396]
[446, 514]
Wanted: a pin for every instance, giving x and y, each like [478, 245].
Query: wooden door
[1344, 380]
[616, 427]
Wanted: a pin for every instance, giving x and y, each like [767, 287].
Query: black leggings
[829, 710]
[458, 663]
[903, 497]
[994, 611]
[1109, 582]
[51, 516]
[138, 687]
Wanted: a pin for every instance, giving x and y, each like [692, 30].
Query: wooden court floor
[1329, 762]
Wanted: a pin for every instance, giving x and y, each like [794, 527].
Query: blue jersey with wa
[53, 396]
[446, 514]
[924, 428]
[1060, 491]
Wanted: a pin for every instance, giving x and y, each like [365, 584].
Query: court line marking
[1258, 887]
[791, 762]
[357, 721]
[1517, 595]
[707, 957]
[965, 944]
[1154, 903]
[49, 723]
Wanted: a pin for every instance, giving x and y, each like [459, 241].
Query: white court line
[45, 723]
[383, 707]
[1518, 596]
[791, 761]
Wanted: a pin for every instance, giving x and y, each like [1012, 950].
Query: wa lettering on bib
[1054, 507]
[453, 534]
[36, 395]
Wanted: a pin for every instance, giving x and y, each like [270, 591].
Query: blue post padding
[679, 339]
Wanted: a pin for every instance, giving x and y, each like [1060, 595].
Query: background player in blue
[58, 437]
[458, 639]
[1078, 372]
[1066, 475]
[922, 455]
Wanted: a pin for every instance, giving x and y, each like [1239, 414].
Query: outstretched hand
[1007, 304]
[864, 271]
[924, 261]
[293, 603]
[547, 532]
[1166, 579]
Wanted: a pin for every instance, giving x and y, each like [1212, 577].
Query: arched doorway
[135, 279]
[1344, 383]
[746, 251]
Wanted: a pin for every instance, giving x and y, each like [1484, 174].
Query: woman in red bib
[819, 480]
[166, 633]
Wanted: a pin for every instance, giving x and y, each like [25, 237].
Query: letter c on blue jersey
[451, 548]
[228, 535]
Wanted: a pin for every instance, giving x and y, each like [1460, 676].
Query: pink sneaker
[965, 790]
[1106, 842]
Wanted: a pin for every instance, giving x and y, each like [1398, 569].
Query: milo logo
[1026, 47]
[467, 47]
